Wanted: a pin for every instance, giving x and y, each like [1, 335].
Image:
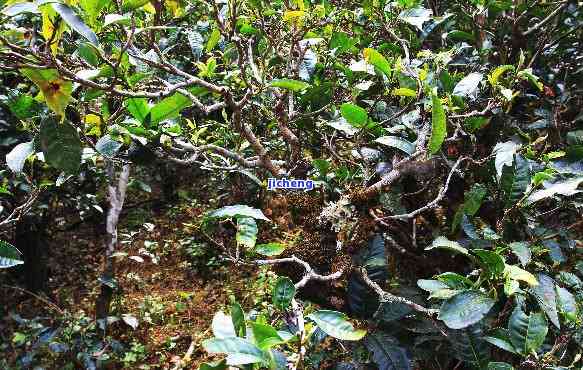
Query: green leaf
[501, 339]
[361, 300]
[353, 114]
[526, 74]
[498, 72]
[562, 187]
[492, 262]
[546, 297]
[416, 16]
[336, 325]
[516, 273]
[217, 365]
[566, 304]
[19, 8]
[138, 108]
[527, 332]
[60, 145]
[386, 352]
[213, 40]
[88, 53]
[107, 146]
[169, 107]
[75, 22]
[469, 345]
[397, 142]
[9, 255]
[500, 366]
[376, 59]
[465, 308]
[403, 91]
[283, 292]
[269, 249]
[473, 199]
[240, 351]
[442, 242]
[438, 125]
[504, 155]
[17, 156]
[289, 84]
[222, 326]
[265, 336]
[116, 19]
[55, 90]
[237, 211]
[93, 7]
[515, 180]
[468, 86]
[238, 319]
[246, 232]
[129, 5]
[522, 251]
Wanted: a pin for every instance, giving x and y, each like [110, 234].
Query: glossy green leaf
[567, 304]
[378, 60]
[515, 180]
[353, 114]
[386, 352]
[246, 232]
[438, 125]
[269, 249]
[522, 251]
[107, 146]
[237, 211]
[222, 326]
[265, 336]
[491, 262]
[289, 84]
[441, 242]
[238, 319]
[16, 158]
[397, 142]
[129, 5]
[169, 107]
[213, 40]
[500, 366]
[501, 339]
[468, 86]
[60, 145]
[138, 108]
[546, 297]
[527, 332]
[75, 22]
[283, 292]
[336, 325]
[9, 255]
[465, 308]
[242, 351]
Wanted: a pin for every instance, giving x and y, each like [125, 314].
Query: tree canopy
[444, 139]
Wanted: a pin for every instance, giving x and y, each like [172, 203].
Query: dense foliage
[445, 139]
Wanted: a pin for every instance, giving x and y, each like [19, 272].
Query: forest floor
[171, 281]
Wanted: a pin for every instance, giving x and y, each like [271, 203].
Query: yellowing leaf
[516, 273]
[403, 91]
[93, 123]
[56, 91]
[174, 7]
[294, 16]
[52, 27]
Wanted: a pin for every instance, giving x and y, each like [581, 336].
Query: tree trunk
[30, 241]
[117, 192]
